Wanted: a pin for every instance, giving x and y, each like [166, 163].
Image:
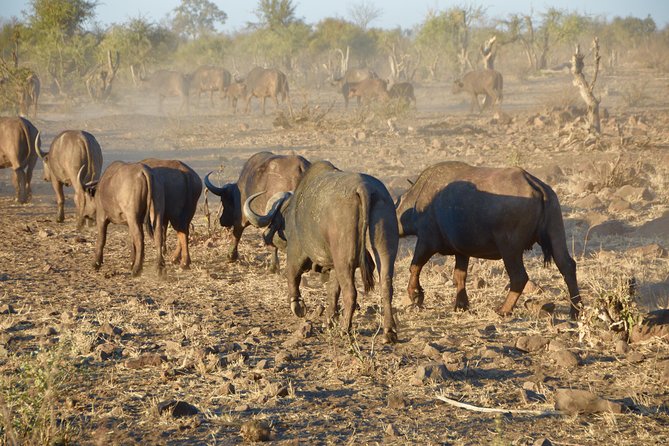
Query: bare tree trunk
[586, 89]
[488, 54]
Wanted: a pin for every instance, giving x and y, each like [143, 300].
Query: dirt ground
[91, 356]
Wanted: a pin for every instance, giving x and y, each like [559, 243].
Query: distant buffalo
[263, 83]
[489, 213]
[209, 79]
[353, 75]
[481, 82]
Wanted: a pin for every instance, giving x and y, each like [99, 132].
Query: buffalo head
[273, 220]
[229, 196]
[88, 207]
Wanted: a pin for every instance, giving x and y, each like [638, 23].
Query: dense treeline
[62, 42]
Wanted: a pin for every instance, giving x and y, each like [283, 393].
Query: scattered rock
[529, 344]
[282, 358]
[664, 372]
[619, 205]
[610, 227]
[658, 227]
[109, 330]
[49, 331]
[255, 430]
[652, 251]
[655, 324]
[177, 409]
[555, 345]
[276, 390]
[542, 442]
[437, 144]
[431, 350]
[227, 389]
[262, 364]
[306, 330]
[590, 201]
[396, 400]
[635, 357]
[145, 360]
[565, 359]
[432, 371]
[633, 194]
[242, 408]
[583, 402]
[530, 396]
[105, 351]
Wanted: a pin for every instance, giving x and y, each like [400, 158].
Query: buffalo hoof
[96, 266]
[233, 256]
[503, 312]
[136, 272]
[416, 298]
[390, 337]
[298, 308]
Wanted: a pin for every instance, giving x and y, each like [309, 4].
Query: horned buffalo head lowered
[228, 195]
[88, 208]
[273, 219]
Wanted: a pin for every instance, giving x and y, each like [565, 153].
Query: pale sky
[403, 13]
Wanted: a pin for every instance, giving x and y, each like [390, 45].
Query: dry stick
[540, 413]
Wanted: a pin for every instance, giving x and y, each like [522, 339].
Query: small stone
[177, 409]
[242, 408]
[306, 330]
[530, 396]
[431, 350]
[584, 402]
[542, 442]
[228, 389]
[105, 351]
[262, 364]
[635, 357]
[622, 347]
[49, 331]
[276, 390]
[529, 344]
[555, 345]
[282, 358]
[255, 430]
[110, 330]
[565, 359]
[480, 283]
[432, 371]
[396, 400]
[652, 251]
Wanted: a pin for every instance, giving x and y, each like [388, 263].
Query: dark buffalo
[367, 90]
[264, 171]
[327, 225]
[211, 79]
[182, 188]
[402, 91]
[74, 159]
[481, 82]
[17, 151]
[264, 83]
[235, 92]
[489, 213]
[127, 194]
[353, 75]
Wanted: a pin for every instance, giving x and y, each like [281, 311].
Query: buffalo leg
[294, 272]
[60, 199]
[344, 275]
[181, 251]
[263, 105]
[159, 241]
[334, 290]
[567, 268]
[518, 277]
[421, 255]
[137, 246]
[384, 246]
[233, 254]
[274, 266]
[102, 224]
[29, 175]
[19, 180]
[460, 279]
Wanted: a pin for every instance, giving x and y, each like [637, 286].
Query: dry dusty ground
[91, 355]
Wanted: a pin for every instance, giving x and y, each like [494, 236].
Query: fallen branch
[539, 413]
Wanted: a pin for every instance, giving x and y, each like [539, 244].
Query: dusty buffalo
[489, 213]
[327, 225]
[74, 159]
[235, 92]
[127, 194]
[182, 188]
[166, 83]
[209, 79]
[264, 83]
[402, 91]
[353, 75]
[367, 90]
[17, 151]
[264, 171]
[30, 95]
[481, 82]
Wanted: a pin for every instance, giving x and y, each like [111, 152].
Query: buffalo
[481, 82]
[166, 83]
[182, 188]
[235, 92]
[30, 95]
[327, 225]
[402, 91]
[264, 171]
[17, 151]
[74, 159]
[127, 194]
[367, 90]
[264, 83]
[351, 76]
[490, 213]
[211, 79]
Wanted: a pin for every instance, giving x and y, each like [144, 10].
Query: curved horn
[213, 189]
[80, 179]
[38, 146]
[262, 221]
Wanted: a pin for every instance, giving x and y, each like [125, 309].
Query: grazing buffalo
[235, 92]
[327, 225]
[264, 83]
[30, 95]
[367, 90]
[489, 213]
[17, 151]
[264, 171]
[127, 194]
[402, 91]
[485, 82]
[353, 75]
[211, 79]
[182, 188]
[166, 83]
[74, 159]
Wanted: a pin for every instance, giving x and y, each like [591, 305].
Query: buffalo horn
[262, 221]
[214, 189]
[38, 146]
[80, 178]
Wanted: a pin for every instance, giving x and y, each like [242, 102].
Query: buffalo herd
[323, 219]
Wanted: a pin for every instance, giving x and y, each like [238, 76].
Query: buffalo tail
[544, 221]
[365, 261]
[150, 216]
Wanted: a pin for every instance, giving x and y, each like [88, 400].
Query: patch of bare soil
[213, 355]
